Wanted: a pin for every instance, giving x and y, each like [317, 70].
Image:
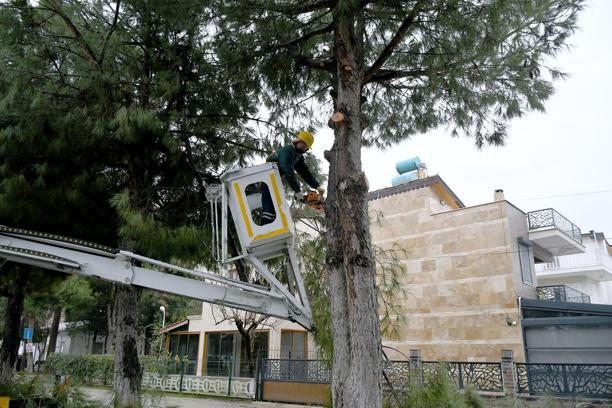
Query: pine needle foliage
[390, 271]
[469, 66]
[129, 100]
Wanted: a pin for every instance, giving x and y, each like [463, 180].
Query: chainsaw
[314, 200]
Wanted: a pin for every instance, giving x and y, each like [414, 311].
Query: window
[227, 353]
[526, 262]
[294, 345]
[185, 347]
[261, 203]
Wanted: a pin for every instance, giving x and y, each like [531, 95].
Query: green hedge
[96, 369]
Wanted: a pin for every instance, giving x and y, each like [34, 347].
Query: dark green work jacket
[289, 162]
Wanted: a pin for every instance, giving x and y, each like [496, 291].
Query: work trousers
[268, 214]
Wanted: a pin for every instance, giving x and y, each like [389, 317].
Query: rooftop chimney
[499, 195]
[422, 171]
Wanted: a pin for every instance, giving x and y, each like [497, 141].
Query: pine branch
[225, 140]
[395, 41]
[325, 65]
[220, 115]
[304, 7]
[110, 32]
[75, 31]
[389, 74]
[301, 39]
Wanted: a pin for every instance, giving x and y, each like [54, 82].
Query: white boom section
[77, 257]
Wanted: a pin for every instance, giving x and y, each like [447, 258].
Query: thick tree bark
[357, 364]
[57, 315]
[109, 340]
[10, 336]
[127, 372]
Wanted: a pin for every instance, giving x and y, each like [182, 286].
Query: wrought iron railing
[562, 293]
[481, 376]
[589, 380]
[549, 218]
[291, 354]
[397, 375]
[308, 371]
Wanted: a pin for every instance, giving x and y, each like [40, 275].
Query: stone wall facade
[462, 274]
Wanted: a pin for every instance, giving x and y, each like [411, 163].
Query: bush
[89, 369]
[97, 369]
[41, 391]
[439, 392]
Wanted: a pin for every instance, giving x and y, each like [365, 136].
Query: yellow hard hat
[306, 137]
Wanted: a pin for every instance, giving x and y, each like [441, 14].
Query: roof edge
[415, 185]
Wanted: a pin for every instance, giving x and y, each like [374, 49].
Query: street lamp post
[163, 310]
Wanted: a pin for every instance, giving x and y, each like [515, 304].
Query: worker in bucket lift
[290, 160]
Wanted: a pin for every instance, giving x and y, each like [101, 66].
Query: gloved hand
[321, 192]
[299, 196]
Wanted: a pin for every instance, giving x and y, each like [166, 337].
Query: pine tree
[137, 90]
[390, 69]
[47, 181]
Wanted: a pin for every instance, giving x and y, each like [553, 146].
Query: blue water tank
[405, 166]
[404, 178]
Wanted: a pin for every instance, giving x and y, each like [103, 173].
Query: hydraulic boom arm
[78, 257]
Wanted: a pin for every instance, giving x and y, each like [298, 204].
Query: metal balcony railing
[549, 218]
[562, 293]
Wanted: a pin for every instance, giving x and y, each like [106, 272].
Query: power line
[568, 195]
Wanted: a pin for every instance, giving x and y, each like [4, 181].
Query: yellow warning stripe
[245, 216]
[285, 226]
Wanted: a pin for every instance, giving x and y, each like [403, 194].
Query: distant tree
[247, 324]
[389, 70]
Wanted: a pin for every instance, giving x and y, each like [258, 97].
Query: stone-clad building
[467, 269]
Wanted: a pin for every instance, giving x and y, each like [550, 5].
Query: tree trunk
[357, 363]
[57, 315]
[14, 310]
[30, 356]
[127, 372]
[109, 340]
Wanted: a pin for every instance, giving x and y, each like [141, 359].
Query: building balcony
[595, 265]
[554, 233]
[562, 293]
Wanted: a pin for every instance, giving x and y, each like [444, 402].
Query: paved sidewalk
[161, 400]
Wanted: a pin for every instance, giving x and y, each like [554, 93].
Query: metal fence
[308, 371]
[481, 376]
[589, 380]
[397, 374]
[562, 293]
[291, 354]
[549, 218]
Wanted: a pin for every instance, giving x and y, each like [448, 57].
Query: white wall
[210, 321]
[578, 269]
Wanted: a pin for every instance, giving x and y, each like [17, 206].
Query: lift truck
[237, 193]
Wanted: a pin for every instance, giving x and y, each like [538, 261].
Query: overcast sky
[550, 159]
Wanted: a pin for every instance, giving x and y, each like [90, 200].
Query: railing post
[566, 388]
[182, 365]
[415, 365]
[262, 376]
[460, 373]
[257, 375]
[508, 375]
[229, 378]
[564, 295]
